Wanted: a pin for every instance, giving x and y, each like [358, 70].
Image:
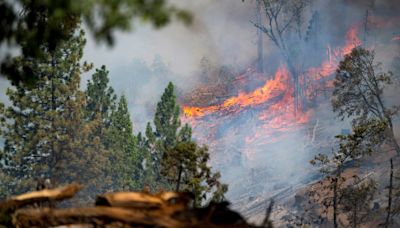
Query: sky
[221, 31]
[214, 33]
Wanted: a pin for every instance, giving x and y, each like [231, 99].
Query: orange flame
[328, 67]
[276, 116]
[271, 88]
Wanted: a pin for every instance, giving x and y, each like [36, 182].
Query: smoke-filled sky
[221, 31]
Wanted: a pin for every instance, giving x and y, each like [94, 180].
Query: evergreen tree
[122, 144]
[100, 96]
[167, 123]
[40, 26]
[166, 119]
[352, 147]
[356, 200]
[185, 166]
[45, 129]
[359, 93]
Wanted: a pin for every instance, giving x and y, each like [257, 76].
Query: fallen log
[99, 216]
[121, 209]
[102, 216]
[144, 200]
[10, 205]
[56, 194]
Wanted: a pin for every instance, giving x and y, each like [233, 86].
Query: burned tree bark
[389, 207]
[8, 207]
[280, 15]
[335, 198]
[260, 45]
[130, 209]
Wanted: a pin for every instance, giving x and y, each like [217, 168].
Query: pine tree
[164, 137]
[356, 200]
[185, 166]
[100, 96]
[122, 144]
[147, 175]
[177, 163]
[166, 119]
[352, 147]
[359, 93]
[46, 133]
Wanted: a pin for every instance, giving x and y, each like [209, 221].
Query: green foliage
[186, 167]
[358, 93]
[165, 135]
[45, 130]
[166, 118]
[39, 26]
[352, 148]
[356, 200]
[359, 86]
[100, 96]
[176, 162]
[122, 144]
[116, 132]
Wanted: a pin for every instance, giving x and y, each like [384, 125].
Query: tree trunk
[296, 84]
[260, 51]
[178, 182]
[389, 208]
[53, 158]
[355, 216]
[335, 197]
[394, 141]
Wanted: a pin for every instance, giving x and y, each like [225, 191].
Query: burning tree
[281, 15]
[358, 93]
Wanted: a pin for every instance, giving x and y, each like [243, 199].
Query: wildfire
[272, 109]
[352, 41]
[271, 88]
[278, 85]
[328, 66]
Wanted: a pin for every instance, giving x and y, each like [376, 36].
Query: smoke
[221, 32]
[142, 63]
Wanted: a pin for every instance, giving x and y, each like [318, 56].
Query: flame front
[271, 88]
[273, 103]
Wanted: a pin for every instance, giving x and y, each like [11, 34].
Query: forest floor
[295, 209]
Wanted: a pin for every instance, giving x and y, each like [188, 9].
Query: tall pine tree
[166, 122]
[178, 163]
[121, 142]
[100, 96]
[46, 133]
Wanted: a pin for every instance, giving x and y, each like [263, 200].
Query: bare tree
[260, 43]
[280, 16]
